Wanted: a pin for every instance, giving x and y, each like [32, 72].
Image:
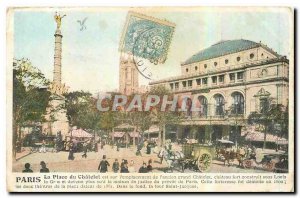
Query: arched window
[238, 103]
[219, 104]
[203, 106]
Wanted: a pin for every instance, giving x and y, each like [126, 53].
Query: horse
[173, 158]
[226, 155]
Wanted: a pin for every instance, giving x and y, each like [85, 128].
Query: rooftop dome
[222, 48]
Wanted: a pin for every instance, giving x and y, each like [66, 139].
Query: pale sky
[90, 58]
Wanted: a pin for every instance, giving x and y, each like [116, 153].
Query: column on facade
[179, 132]
[226, 78]
[209, 81]
[208, 132]
[194, 131]
[226, 132]
[246, 75]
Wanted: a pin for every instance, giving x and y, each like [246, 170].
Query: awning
[118, 134]
[259, 137]
[225, 141]
[80, 133]
[153, 129]
[282, 141]
[134, 134]
[252, 134]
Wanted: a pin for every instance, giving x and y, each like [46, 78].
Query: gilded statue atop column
[57, 19]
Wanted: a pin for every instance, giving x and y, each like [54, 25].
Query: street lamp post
[277, 128]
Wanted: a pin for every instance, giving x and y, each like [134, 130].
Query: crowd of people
[124, 167]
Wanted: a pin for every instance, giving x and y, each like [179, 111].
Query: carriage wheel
[247, 163]
[269, 166]
[204, 162]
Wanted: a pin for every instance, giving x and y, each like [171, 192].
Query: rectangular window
[176, 85]
[232, 77]
[190, 83]
[221, 78]
[198, 81]
[171, 86]
[240, 75]
[214, 79]
[204, 81]
[184, 83]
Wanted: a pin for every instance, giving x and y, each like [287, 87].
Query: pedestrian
[115, 166]
[58, 141]
[96, 147]
[71, 152]
[103, 165]
[161, 155]
[67, 145]
[143, 169]
[131, 167]
[149, 167]
[102, 144]
[138, 151]
[122, 163]
[27, 168]
[148, 148]
[43, 147]
[44, 168]
[84, 155]
[118, 145]
[124, 168]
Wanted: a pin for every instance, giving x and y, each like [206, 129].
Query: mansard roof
[224, 47]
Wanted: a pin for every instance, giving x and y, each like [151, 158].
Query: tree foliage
[30, 96]
[166, 117]
[266, 120]
[82, 111]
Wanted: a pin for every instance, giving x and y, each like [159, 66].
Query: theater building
[230, 79]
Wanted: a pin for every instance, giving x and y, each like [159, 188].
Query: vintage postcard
[150, 99]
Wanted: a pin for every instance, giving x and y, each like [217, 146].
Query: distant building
[230, 79]
[128, 75]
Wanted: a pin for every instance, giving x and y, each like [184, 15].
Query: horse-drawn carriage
[193, 156]
[198, 156]
[269, 162]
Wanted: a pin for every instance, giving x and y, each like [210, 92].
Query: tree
[30, 97]
[110, 119]
[82, 111]
[268, 117]
[142, 120]
[166, 117]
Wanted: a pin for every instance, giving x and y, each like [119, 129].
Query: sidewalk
[25, 151]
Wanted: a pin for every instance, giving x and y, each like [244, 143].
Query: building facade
[230, 79]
